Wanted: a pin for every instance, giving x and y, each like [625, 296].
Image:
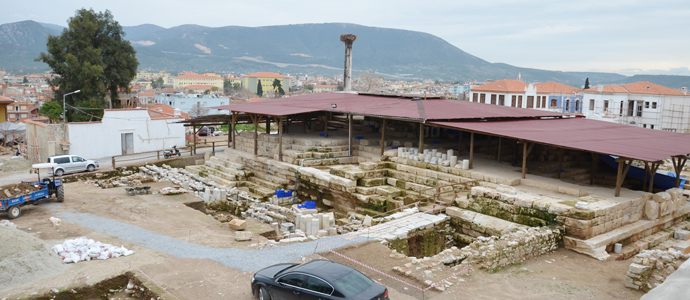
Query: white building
[185, 102]
[642, 104]
[550, 96]
[125, 131]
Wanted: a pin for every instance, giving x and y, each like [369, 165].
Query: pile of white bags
[84, 249]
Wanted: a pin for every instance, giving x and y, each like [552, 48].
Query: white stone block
[453, 160]
[314, 226]
[465, 164]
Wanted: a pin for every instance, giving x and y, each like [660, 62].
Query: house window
[606, 106]
[16, 108]
[653, 105]
[554, 102]
[493, 99]
[519, 101]
[591, 104]
[501, 100]
[513, 102]
[482, 98]
[577, 105]
[23, 107]
[530, 101]
[24, 116]
[644, 125]
[11, 116]
[620, 109]
[651, 126]
[567, 105]
[639, 109]
[631, 108]
[646, 104]
[222, 103]
[474, 97]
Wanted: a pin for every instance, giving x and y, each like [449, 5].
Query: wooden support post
[195, 138]
[325, 127]
[471, 150]
[652, 170]
[304, 124]
[158, 155]
[232, 129]
[213, 149]
[421, 138]
[268, 125]
[646, 175]
[280, 139]
[560, 163]
[113, 161]
[229, 129]
[498, 154]
[349, 132]
[678, 164]
[622, 172]
[525, 153]
[595, 164]
[383, 136]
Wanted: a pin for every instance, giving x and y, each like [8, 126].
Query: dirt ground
[561, 275]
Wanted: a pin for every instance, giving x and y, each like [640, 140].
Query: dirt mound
[125, 286]
[16, 189]
[13, 163]
[25, 259]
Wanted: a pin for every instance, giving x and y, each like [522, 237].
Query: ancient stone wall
[651, 267]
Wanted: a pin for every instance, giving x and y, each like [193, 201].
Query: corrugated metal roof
[386, 106]
[588, 135]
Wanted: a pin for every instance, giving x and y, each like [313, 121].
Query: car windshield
[353, 283]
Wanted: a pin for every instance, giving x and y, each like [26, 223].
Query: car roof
[325, 269]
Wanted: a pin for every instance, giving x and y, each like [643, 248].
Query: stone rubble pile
[434, 157]
[135, 179]
[487, 253]
[84, 249]
[651, 267]
[6, 223]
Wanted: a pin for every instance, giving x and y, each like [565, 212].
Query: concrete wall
[43, 141]
[103, 139]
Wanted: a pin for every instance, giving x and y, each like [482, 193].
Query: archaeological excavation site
[450, 185]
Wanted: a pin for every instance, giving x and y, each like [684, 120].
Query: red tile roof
[503, 86]
[555, 87]
[196, 76]
[640, 87]
[199, 87]
[167, 110]
[266, 75]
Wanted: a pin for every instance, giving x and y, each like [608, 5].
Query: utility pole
[64, 116]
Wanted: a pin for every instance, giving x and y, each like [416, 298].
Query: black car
[317, 280]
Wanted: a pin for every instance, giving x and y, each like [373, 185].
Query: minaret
[519, 77]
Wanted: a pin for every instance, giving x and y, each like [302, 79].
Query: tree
[367, 81]
[214, 89]
[587, 83]
[198, 110]
[236, 86]
[52, 110]
[278, 87]
[90, 55]
[25, 80]
[259, 89]
[206, 92]
[227, 84]
[158, 83]
[309, 87]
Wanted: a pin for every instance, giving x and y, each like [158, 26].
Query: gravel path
[245, 260]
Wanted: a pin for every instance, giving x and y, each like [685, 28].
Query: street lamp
[64, 116]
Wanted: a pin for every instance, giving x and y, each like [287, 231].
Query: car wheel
[263, 294]
[59, 172]
[91, 168]
[14, 212]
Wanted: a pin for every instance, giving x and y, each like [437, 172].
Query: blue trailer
[46, 188]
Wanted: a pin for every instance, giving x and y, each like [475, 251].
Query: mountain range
[301, 48]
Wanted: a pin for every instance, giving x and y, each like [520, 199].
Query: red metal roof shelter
[588, 135]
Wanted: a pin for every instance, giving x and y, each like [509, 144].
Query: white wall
[103, 139]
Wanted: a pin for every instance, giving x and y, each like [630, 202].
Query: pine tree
[587, 83]
[259, 89]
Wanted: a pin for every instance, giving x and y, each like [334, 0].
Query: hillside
[302, 48]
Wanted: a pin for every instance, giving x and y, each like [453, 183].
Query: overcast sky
[626, 36]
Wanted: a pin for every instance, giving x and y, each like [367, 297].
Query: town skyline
[615, 36]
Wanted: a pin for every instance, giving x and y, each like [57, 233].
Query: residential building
[200, 88]
[185, 102]
[4, 102]
[642, 104]
[325, 88]
[146, 75]
[181, 81]
[21, 110]
[250, 82]
[551, 96]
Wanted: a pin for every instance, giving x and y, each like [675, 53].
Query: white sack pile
[83, 249]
